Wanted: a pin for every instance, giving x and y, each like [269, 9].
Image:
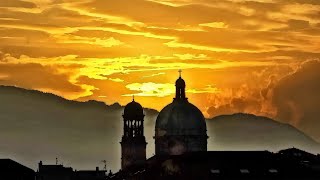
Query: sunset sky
[234, 53]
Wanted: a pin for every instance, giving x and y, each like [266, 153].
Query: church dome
[133, 109]
[180, 126]
[181, 118]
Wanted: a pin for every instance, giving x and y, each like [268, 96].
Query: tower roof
[133, 109]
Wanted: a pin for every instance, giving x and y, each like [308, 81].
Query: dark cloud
[297, 98]
[162, 14]
[313, 2]
[298, 24]
[17, 3]
[36, 76]
[252, 93]
[267, 92]
[27, 34]
[214, 37]
[235, 106]
[63, 49]
[51, 17]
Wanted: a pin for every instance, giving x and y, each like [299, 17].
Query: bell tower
[133, 143]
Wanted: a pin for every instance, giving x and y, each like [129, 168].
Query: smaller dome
[180, 82]
[133, 109]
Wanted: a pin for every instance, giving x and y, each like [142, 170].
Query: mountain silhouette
[38, 126]
[246, 131]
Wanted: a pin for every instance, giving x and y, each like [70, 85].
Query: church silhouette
[181, 149]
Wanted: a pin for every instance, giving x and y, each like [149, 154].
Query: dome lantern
[180, 88]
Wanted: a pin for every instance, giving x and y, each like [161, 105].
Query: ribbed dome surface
[181, 118]
[133, 109]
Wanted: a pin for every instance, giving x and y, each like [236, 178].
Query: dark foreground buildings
[181, 150]
[228, 165]
[11, 170]
[59, 172]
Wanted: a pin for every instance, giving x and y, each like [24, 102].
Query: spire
[180, 71]
[133, 98]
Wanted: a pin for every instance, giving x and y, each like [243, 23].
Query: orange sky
[231, 51]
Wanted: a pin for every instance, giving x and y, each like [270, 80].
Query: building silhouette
[133, 143]
[90, 175]
[181, 150]
[59, 172]
[54, 172]
[227, 165]
[11, 170]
